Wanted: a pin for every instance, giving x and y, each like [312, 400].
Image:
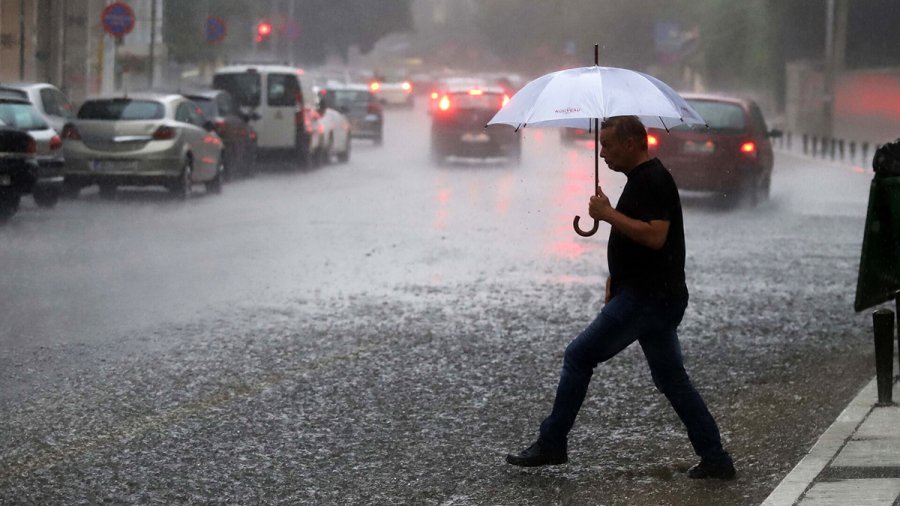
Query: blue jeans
[628, 317]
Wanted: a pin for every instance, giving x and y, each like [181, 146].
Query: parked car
[732, 157]
[17, 112]
[458, 125]
[51, 103]
[392, 91]
[283, 106]
[233, 127]
[336, 131]
[18, 169]
[142, 139]
[361, 107]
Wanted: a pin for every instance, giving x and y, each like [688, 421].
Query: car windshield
[121, 109]
[345, 98]
[720, 116]
[244, 87]
[20, 115]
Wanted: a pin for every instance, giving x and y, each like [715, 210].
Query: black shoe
[706, 469]
[536, 455]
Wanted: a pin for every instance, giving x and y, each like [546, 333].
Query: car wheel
[70, 190]
[45, 197]
[344, 156]
[251, 166]
[9, 204]
[182, 186]
[325, 152]
[107, 191]
[214, 186]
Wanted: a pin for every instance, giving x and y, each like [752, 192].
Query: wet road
[384, 331]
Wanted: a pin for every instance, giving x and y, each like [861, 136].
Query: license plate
[476, 137]
[5, 180]
[113, 165]
[696, 147]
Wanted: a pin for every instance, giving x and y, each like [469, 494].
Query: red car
[732, 158]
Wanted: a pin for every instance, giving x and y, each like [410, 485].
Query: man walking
[646, 297]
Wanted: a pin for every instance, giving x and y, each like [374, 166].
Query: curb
[801, 477]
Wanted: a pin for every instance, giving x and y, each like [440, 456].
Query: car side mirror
[209, 125]
[775, 133]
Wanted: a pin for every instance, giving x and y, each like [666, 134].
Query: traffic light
[263, 30]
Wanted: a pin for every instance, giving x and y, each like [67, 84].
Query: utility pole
[21, 40]
[835, 48]
[152, 57]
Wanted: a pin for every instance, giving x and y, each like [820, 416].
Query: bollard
[883, 322]
[853, 151]
[805, 144]
[841, 149]
[789, 140]
[865, 153]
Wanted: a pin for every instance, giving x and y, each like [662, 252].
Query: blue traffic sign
[117, 19]
[215, 29]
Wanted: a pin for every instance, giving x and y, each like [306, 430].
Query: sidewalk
[856, 462]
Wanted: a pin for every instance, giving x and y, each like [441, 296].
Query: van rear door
[277, 128]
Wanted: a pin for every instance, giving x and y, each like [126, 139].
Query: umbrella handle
[583, 233]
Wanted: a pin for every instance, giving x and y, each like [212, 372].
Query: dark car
[18, 112]
[732, 157]
[18, 169]
[233, 126]
[361, 107]
[458, 125]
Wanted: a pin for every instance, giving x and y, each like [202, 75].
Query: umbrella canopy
[573, 97]
[582, 97]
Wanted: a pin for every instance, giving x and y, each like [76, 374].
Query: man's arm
[651, 234]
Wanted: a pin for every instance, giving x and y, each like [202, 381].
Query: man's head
[623, 143]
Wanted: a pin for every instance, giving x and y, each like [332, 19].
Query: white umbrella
[583, 97]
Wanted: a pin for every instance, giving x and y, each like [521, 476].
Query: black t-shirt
[649, 194]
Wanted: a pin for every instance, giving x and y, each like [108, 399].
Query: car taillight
[407, 87]
[31, 147]
[748, 148]
[55, 143]
[374, 86]
[71, 133]
[444, 103]
[164, 133]
[373, 108]
[435, 95]
[219, 125]
[476, 92]
[505, 100]
[652, 141]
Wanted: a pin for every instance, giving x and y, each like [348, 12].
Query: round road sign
[117, 19]
[215, 29]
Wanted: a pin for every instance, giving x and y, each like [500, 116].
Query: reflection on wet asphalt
[384, 332]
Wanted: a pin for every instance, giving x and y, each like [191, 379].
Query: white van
[281, 106]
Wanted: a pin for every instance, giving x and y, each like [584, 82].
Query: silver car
[139, 140]
[51, 103]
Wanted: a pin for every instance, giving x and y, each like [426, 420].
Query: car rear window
[244, 87]
[344, 98]
[283, 90]
[482, 101]
[121, 109]
[720, 115]
[20, 115]
[206, 105]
